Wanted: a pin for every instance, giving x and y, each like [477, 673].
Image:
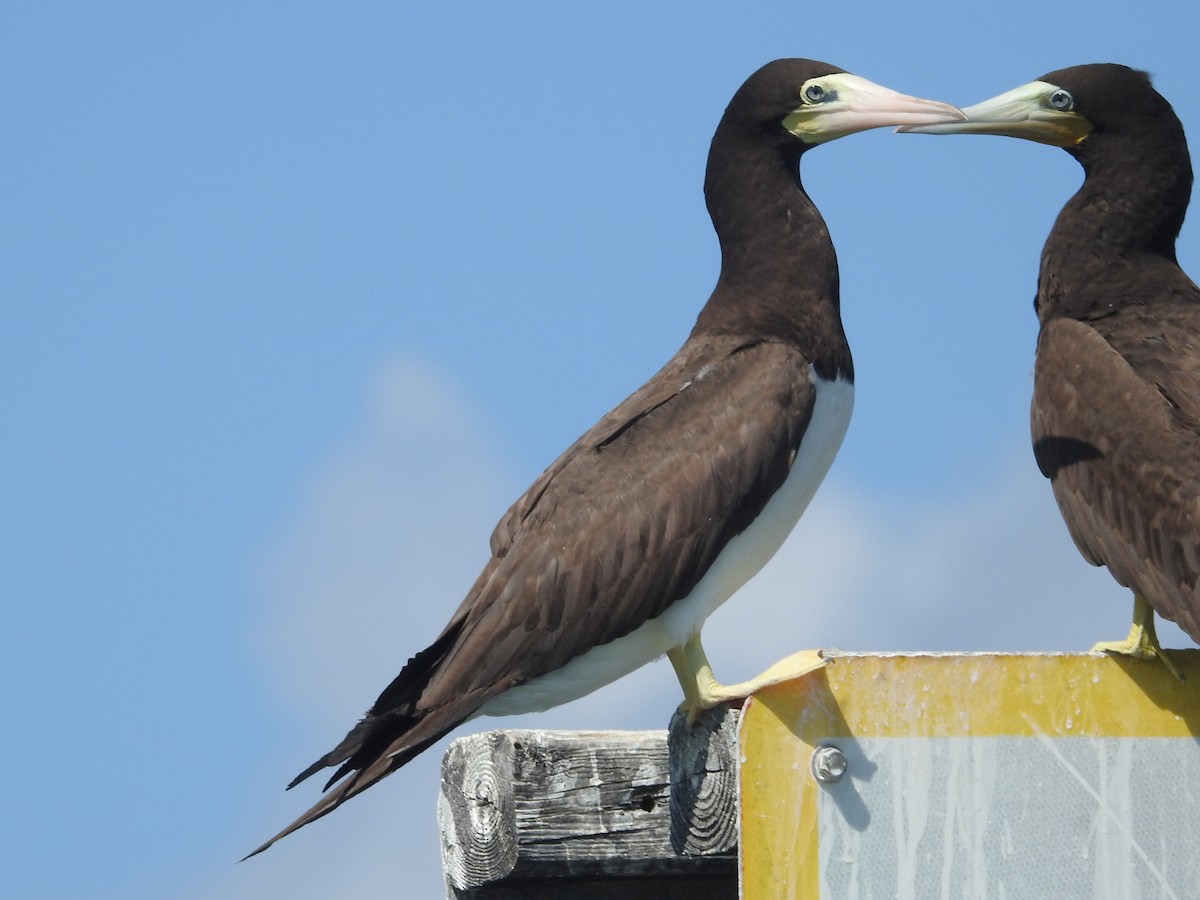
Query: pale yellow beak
[1025, 112]
[849, 104]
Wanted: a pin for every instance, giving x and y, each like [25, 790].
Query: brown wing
[580, 562]
[1115, 429]
[620, 526]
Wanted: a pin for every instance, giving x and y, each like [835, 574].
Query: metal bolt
[829, 764]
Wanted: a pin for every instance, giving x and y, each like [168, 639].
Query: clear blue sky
[296, 298]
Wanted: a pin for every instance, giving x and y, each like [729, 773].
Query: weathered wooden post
[543, 814]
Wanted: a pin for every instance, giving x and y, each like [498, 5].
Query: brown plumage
[1116, 406]
[578, 562]
[1118, 358]
[605, 562]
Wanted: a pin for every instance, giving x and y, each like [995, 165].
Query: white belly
[742, 557]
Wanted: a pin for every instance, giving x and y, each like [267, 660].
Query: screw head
[828, 764]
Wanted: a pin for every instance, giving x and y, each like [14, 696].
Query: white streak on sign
[1113, 804]
[999, 818]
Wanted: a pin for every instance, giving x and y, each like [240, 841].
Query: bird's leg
[1142, 642]
[702, 691]
[695, 677]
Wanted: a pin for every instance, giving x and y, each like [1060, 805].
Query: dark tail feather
[322, 763]
[355, 784]
[378, 758]
[393, 706]
[349, 746]
[326, 804]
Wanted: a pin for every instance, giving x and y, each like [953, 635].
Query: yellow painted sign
[974, 776]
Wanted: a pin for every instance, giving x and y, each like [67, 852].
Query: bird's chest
[750, 550]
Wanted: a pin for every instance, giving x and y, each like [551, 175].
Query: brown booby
[1116, 402]
[627, 542]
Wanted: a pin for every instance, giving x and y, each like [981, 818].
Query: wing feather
[1115, 429]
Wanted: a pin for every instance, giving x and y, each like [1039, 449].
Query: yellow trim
[929, 695]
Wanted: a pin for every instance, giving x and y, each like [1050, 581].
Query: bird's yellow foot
[1142, 642]
[702, 691]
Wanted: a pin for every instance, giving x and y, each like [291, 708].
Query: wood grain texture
[704, 784]
[540, 814]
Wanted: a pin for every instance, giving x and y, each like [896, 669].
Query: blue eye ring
[1062, 100]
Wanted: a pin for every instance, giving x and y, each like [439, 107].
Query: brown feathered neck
[1113, 244]
[779, 275]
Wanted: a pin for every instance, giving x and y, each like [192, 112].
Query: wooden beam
[531, 815]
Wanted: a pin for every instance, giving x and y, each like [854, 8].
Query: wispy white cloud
[391, 531]
[394, 529]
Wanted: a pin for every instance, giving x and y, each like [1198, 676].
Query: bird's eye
[814, 93]
[1062, 100]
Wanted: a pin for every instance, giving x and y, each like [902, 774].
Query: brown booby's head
[804, 102]
[1069, 108]
[1126, 136]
